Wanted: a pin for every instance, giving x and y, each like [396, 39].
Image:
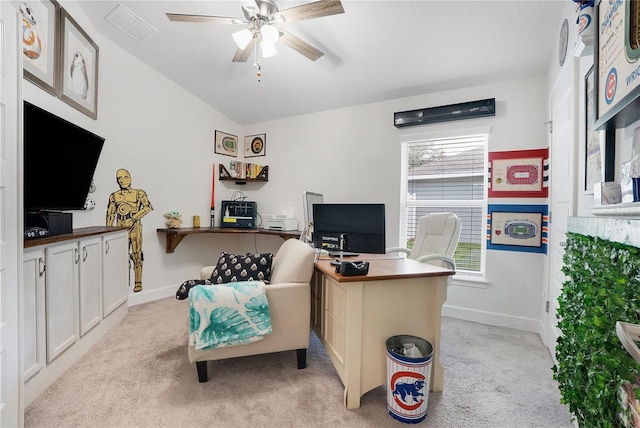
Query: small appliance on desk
[281, 222]
[239, 214]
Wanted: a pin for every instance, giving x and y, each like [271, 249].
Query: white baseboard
[149, 296]
[493, 318]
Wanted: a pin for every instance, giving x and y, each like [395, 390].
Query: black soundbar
[468, 110]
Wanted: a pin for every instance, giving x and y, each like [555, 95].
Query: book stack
[239, 169]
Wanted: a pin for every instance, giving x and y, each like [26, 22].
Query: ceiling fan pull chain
[258, 63]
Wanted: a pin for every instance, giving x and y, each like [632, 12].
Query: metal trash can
[408, 375]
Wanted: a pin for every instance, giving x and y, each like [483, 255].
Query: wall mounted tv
[361, 225]
[59, 161]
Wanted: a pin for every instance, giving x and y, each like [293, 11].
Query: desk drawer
[334, 322]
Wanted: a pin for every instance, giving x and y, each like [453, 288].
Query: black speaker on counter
[55, 222]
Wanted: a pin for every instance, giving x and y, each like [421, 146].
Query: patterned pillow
[247, 267]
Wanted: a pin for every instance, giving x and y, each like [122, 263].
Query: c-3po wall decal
[126, 207]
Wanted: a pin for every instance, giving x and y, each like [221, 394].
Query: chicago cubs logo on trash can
[407, 395]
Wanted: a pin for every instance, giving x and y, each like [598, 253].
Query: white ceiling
[375, 51]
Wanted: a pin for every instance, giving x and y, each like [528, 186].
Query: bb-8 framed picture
[255, 145]
[519, 174]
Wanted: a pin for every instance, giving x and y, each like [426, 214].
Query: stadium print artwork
[519, 174]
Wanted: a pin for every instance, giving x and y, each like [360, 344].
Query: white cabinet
[115, 272]
[75, 289]
[62, 300]
[34, 352]
[90, 283]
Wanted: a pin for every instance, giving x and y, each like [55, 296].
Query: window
[447, 174]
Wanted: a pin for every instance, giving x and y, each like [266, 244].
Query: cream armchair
[436, 240]
[289, 297]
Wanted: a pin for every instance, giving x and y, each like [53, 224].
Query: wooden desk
[175, 236]
[354, 316]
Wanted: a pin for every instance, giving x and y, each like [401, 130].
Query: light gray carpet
[139, 376]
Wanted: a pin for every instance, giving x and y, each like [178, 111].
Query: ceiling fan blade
[312, 10]
[300, 45]
[242, 55]
[180, 17]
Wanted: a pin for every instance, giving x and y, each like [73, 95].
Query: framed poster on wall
[517, 228]
[40, 45]
[519, 174]
[617, 55]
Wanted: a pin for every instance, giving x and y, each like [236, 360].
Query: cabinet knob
[106, 247]
[85, 254]
[77, 253]
[42, 266]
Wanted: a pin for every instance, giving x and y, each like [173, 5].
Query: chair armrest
[205, 272]
[448, 261]
[397, 250]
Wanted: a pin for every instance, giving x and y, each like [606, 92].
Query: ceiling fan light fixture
[242, 38]
[268, 49]
[270, 34]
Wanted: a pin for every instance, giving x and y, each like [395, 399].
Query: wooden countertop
[382, 267]
[82, 232]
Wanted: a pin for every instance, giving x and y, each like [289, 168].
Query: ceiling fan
[261, 34]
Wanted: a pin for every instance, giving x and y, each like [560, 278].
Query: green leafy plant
[603, 287]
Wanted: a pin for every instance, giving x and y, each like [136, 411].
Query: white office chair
[436, 240]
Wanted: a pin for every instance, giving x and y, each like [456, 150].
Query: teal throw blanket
[229, 314]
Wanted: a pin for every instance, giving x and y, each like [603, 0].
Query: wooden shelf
[175, 236]
[225, 175]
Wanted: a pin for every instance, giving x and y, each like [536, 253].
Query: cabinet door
[33, 274]
[61, 297]
[115, 271]
[90, 283]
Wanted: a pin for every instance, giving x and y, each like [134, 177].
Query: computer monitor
[308, 200]
[361, 226]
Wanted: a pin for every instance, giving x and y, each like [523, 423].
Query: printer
[281, 222]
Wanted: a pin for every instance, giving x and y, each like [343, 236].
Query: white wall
[353, 154]
[164, 137]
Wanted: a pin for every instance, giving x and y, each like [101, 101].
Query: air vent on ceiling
[130, 23]
[446, 113]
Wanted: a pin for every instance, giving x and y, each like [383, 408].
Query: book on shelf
[239, 169]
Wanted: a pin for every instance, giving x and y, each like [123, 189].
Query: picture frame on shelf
[594, 140]
[225, 144]
[255, 145]
[78, 67]
[40, 43]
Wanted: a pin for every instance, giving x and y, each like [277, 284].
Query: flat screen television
[60, 159]
[362, 226]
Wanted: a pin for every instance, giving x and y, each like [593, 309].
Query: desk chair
[436, 240]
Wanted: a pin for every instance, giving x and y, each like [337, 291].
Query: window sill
[470, 280]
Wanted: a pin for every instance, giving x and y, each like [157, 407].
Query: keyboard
[344, 254]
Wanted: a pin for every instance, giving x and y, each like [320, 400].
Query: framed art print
[255, 145]
[78, 67]
[594, 172]
[519, 174]
[225, 144]
[40, 46]
[518, 228]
